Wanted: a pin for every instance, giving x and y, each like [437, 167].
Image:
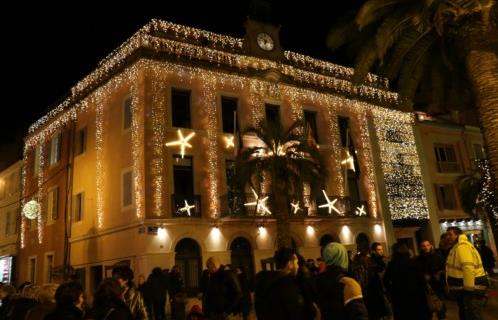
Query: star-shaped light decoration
[187, 208]
[295, 207]
[259, 203]
[229, 143]
[360, 211]
[348, 162]
[183, 142]
[330, 204]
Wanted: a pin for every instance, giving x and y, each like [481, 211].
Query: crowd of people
[363, 286]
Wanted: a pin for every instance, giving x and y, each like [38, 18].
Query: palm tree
[289, 161]
[415, 42]
[475, 193]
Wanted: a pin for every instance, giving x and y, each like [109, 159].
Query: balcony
[232, 205]
[185, 206]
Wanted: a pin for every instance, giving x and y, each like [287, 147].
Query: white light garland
[40, 191]
[24, 194]
[400, 164]
[209, 99]
[99, 155]
[158, 113]
[137, 136]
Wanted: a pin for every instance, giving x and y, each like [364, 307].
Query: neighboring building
[448, 150]
[134, 197]
[10, 216]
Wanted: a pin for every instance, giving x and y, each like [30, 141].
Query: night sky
[47, 48]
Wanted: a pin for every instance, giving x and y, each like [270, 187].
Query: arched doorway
[189, 262]
[362, 243]
[241, 256]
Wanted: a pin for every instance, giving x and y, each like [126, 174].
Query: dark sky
[47, 48]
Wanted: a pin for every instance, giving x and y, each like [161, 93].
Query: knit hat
[335, 254]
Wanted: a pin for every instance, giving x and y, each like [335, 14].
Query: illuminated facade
[151, 158]
[10, 216]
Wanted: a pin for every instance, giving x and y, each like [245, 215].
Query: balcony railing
[232, 205]
[185, 206]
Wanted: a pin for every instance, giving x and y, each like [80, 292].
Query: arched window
[242, 257]
[189, 262]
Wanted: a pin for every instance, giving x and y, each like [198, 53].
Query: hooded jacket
[464, 269]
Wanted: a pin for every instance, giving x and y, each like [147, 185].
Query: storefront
[6, 269]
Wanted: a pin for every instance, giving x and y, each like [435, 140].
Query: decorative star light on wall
[187, 208]
[229, 143]
[259, 203]
[183, 142]
[295, 207]
[330, 204]
[360, 211]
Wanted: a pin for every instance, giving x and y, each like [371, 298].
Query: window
[183, 175]
[479, 151]
[79, 206]
[36, 160]
[127, 183]
[344, 130]
[52, 204]
[229, 114]
[11, 223]
[32, 269]
[446, 158]
[127, 114]
[55, 149]
[49, 266]
[14, 182]
[180, 107]
[272, 113]
[310, 118]
[445, 197]
[80, 141]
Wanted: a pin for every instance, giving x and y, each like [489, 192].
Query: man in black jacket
[223, 291]
[278, 295]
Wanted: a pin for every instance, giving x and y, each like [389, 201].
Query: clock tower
[262, 40]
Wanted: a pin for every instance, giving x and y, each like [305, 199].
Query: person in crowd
[306, 282]
[7, 293]
[375, 300]
[279, 295]
[108, 302]
[465, 275]
[321, 265]
[69, 300]
[157, 285]
[406, 286]
[223, 292]
[176, 290]
[46, 302]
[245, 302]
[132, 296]
[487, 256]
[339, 296]
[432, 265]
[25, 300]
[310, 264]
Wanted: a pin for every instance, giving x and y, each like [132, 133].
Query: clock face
[265, 42]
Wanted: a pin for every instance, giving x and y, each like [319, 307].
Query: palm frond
[341, 33]
[374, 10]
[365, 62]
[389, 31]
